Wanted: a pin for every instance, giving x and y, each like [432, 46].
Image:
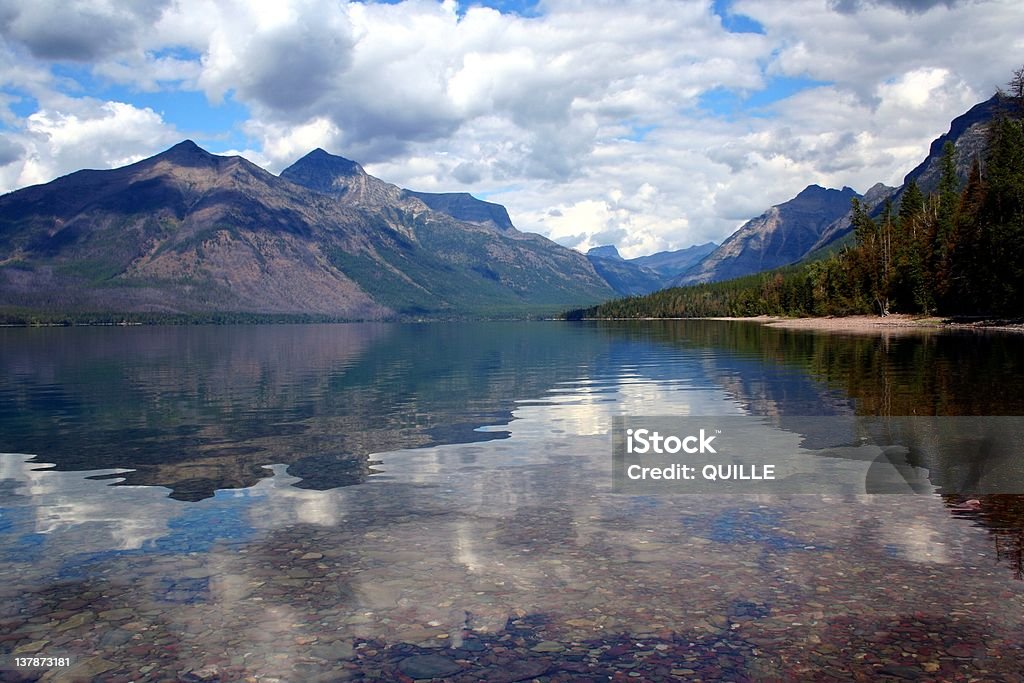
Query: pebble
[960, 650]
[333, 652]
[904, 672]
[428, 666]
[117, 614]
[115, 638]
[203, 675]
[76, 621]
[548, 646]
[31, 648]
[85, 670]
[514, 671]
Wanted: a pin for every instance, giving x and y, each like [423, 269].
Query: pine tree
[1003, 212]
[968, 273]
[947, 201]
[911, 202]
[908, 286]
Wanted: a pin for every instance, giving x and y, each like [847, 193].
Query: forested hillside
[956, 251]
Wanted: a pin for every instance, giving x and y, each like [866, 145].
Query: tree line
[958, 251]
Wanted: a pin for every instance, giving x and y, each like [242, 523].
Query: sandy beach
[896, 322]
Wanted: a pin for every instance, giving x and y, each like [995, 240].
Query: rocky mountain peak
[968, 134]
[818, 195]
[465, 207]
[877, 192]
[324, 159]
[779, 236]
[811, 191]
[186, 153]
[322, 171]
[605, 251]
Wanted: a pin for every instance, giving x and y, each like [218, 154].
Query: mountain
[673, 263]
[637, 276]
[190, 232]
[782, 235]
[606, 251]
[863, 279]
[967, 132]
[625, 277]
[465, 207]
[434, 262]
[834, 232]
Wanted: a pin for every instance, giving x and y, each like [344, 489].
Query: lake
[408, 501]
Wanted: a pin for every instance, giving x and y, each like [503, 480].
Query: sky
[648, 124]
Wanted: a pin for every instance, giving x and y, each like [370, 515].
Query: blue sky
[650, 124]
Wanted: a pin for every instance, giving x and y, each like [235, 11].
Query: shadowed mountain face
[673, 263]
[465, 207]
[873, 201]
[184, 231]
[189, 232]
[424, 261]
[624, 276]
[968, 134]
[606, 251]
[782, 235]
[644, 274]
[802, 228]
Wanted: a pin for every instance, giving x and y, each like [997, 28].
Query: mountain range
[188, 232]
[783, 234]
[819, 219]
[645, 274]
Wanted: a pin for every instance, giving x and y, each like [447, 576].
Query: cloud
[282, 144]
[10, 151]
[584, 118]
[84, 133]
[609, 236]
[907, 6]
[468, 172]
[77, 30]
[283, 63]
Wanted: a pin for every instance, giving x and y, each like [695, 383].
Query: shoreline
[895, 322]
[865, 324]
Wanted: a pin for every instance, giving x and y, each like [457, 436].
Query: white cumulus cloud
[597, 111]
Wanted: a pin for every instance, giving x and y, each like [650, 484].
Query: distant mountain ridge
[742, 254]
[674, 263]
[644, 274]
[605, 251]
[784, 234]
[465, 207]
[625, 277]
[835, 231]
[187, 231]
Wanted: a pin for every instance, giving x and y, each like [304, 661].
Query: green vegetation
[17, 316]
[956, 252]
[447, 272]
[94, 271]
